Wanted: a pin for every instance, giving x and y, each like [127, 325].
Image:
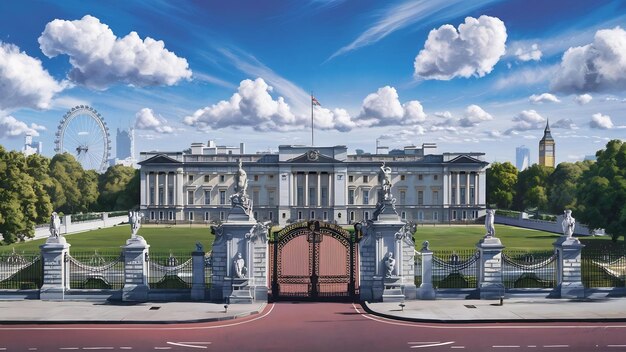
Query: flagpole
[312, 140]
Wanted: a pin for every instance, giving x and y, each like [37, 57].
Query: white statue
[242, 180]
[134, 218]
[386, 181]
[568, 224]
[240, 266]
[390, 264]
[55, 225]
[489, 218]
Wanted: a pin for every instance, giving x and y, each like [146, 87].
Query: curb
[133, 322]
[486, 321]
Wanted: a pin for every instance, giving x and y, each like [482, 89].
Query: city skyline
[483, 76]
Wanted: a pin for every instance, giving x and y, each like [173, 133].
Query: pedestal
[55, 278]
[135, 270]
[426, 290]
[490, 284]
[569, 277]
[392, 289]
[240, 292]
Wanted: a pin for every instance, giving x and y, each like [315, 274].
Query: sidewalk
[513, 310]
[102, 312]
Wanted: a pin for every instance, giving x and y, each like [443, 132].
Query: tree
[501, 180]
[563, 185]
[532, 188]
[602, 194]
[73, 189]
[119, 188]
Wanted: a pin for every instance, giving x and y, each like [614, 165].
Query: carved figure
[386, 181]
[55, 225]
[390, 264]
[199, 247]
[240, 266]
[242, 180]
[134, 218]
[425, 245]
[489, 218]
[568, 224]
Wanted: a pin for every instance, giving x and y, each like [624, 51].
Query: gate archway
[314, 260]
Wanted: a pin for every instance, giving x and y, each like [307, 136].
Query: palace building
[304, 182]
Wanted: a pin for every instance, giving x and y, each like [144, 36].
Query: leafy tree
[37, 168]
[73, 189]
[532, 188]
[563, 184]
[119, 188]
[501, 180]
[602, 194]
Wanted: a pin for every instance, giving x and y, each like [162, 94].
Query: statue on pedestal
[55, 225]
[390, 264]
[240, 266]
[489, 219]
[568, 224]
[134, 218]
[240, 198]
[386, 181]
[386, 202]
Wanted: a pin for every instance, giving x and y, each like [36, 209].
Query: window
[435, 197]
[151, 215]
[350, 178]
[271, 177]
[366, 196]
[464, 214]
[435, 177]
[351, 216]
[284, 215]
[207, 178]
[271, 198]
[402, 177]
[256, 214]
[299, 215]
[170, 216]
[170, 195]
[151, 195]
[454, 215]
[161, 196]
[312, 214]
[207, 197]
[206, 216]
[255, 197]
[420, 177]
[366, 179]
[420, 197]
[222, 178]
[324, 194]
[256, 177]
[190, 178]
[189, 197]
[366, 215]
[436, 215]
[350, 196]
[300, 196]
[403, 215]
[161, 216]
[420, 216]
[271, 215]
[472, 196]
[312, 196]
[402, 197]
[453, 195]
[222, 197]
[462, 196]
[325, 216]
[191, 216]
[221, 216]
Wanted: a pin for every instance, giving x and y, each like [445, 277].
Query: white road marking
[3, 348]
[505, 346]
[126, 348]
[69, 348]
[616, 346]
[162, 348]
[457, 346]
[555, 346]
[424, 342]
[196, 343]
[185, 345]
[532, 346]
[98, 348]
[32, 349]
[433, 344]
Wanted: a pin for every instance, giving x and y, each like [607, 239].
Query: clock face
[313, 155]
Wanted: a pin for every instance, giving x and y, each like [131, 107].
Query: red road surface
[316, 327]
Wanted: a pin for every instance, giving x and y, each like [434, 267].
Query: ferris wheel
[83, 133]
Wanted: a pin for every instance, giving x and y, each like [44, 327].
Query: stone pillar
[331, 200]
[569, 277]
[55, 275]
[426, 289]
[148, 199]
[490, 284]
[467, 188]
[457, 195]
[318, 201]
[198, 281]
[166, 190]
[179, 187]
[306, 189]
[135, 270]
[142, 185]
[293, 200]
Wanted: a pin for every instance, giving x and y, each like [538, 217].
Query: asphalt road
[316, 327]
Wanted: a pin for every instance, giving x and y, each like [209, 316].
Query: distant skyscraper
[31, 147]
[522, 157]
[547, 148]
[123, 144]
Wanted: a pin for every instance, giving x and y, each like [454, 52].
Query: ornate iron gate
[315, 261]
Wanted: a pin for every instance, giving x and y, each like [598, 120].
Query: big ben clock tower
[547, 152]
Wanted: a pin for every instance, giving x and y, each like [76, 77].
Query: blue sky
[477, 75]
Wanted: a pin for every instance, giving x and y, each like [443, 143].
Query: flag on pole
[315, 101]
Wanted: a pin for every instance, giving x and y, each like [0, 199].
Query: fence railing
[603, 267]
[418, 268]
[529, 269]
[96, 270]
[20, 271]
[455, 268]
[171, 270]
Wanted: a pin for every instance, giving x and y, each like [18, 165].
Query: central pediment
[312, 157]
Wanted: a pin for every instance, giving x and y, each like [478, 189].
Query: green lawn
[183, 238]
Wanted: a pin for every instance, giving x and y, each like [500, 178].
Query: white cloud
[599, 66]
[600, 121]
[473, 50]
[543, 98]
[565, 124]
[145, 119]
[383, 108]
[10, 127]
[526, 77]
[23, 80]
[583, 99]
[474, 115]
[531, 53]
[527, 120]
[100, 59]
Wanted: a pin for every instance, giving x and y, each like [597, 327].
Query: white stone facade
[303, 182]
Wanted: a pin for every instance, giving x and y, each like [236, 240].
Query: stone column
[318, 201]
[198, 281]
[306, 189]
[331, 193]
[293, 199]
[476, 189]
[135, 270]
[467, 188]
[142, 186]
[569, 277]
[426, 289]
[166, 190]
[55, 275]
[457, 195]
[148, 199]
[490, 284]
[179, 187]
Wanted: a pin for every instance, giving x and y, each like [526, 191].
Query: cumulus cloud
[10, 127]
[145, 119]
[99, 58]
[473, 116]
[583, 99]
[599, 66]
[543, 98]
[473, 50]
[529, 54]
[527, 120]
[600, 121]
[383, 108]
[23, 80]
[567, 124]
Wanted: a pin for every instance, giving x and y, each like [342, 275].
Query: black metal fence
[603, 267]
[20, 271]
[418, 268]
[170, 270]
[529, 269]
[455, 268]
[95, 270]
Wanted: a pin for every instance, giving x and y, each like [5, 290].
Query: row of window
[207, 178]
[366, 178]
